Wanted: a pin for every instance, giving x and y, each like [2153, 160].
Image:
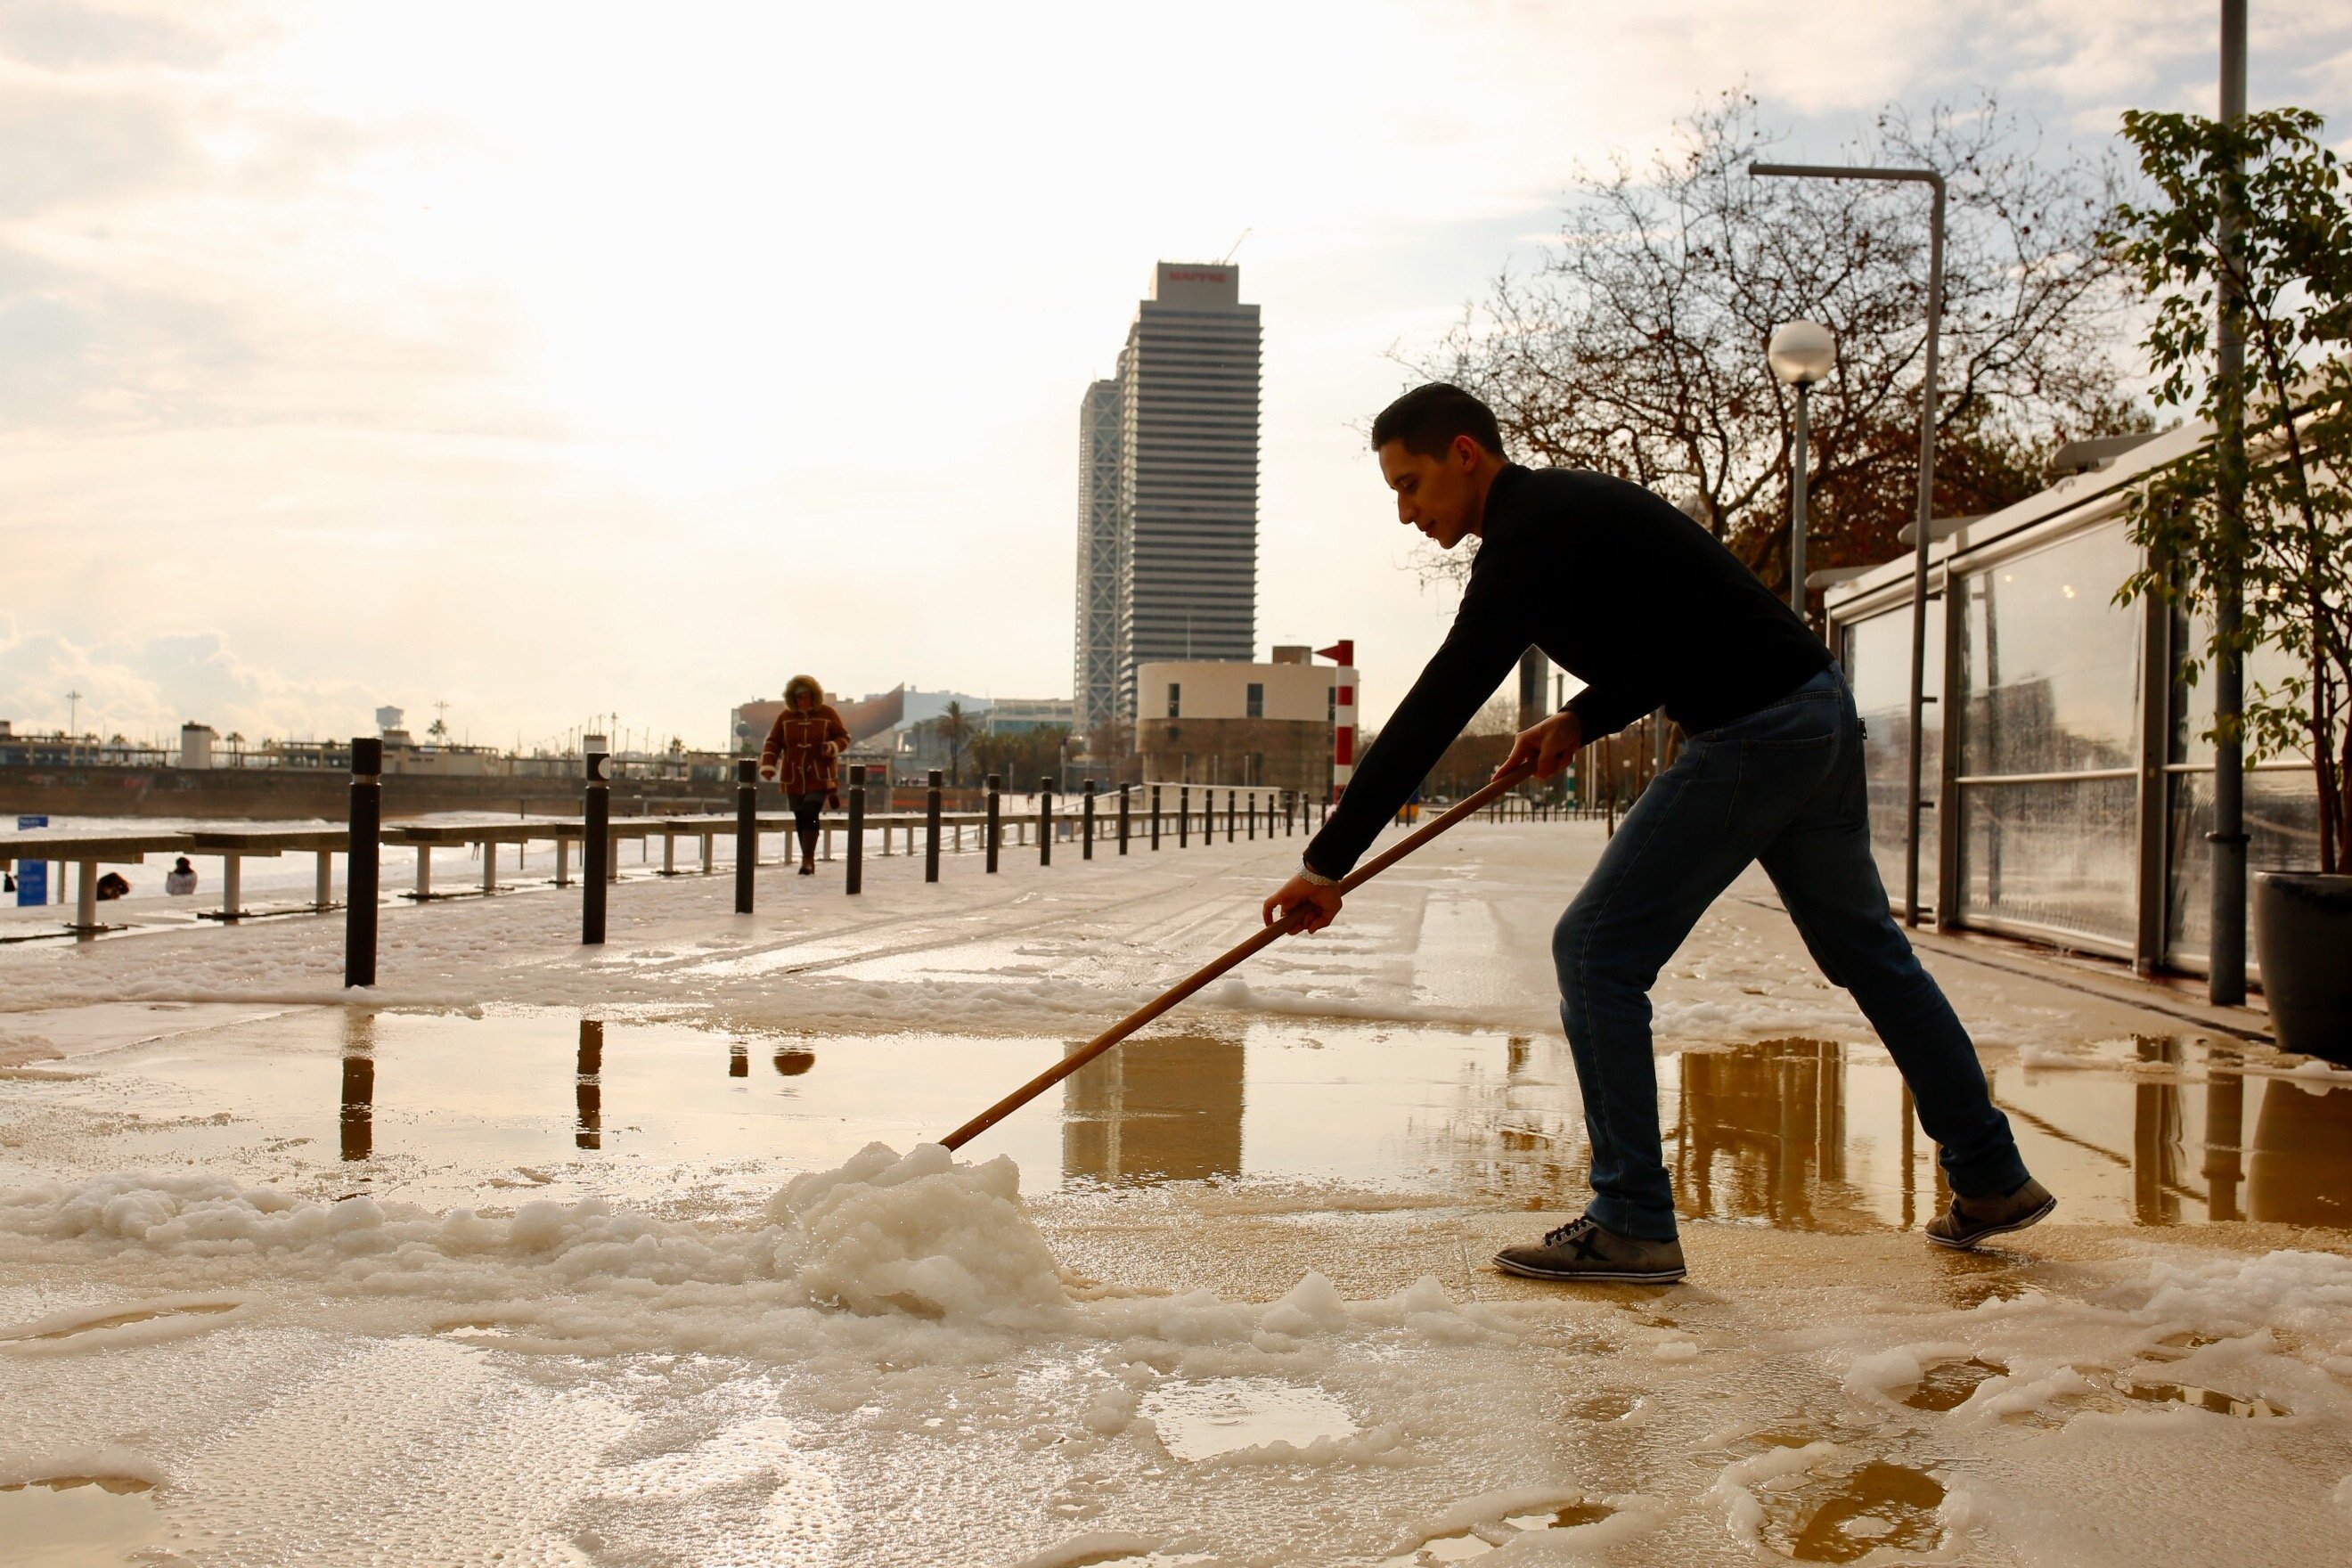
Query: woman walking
[802, 746]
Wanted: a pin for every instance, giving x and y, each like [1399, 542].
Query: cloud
[59, 34]
[147, 688]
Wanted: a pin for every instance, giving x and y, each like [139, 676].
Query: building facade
[1182, 556]
[2067, 783]
[1095, 698]
[1219, 722]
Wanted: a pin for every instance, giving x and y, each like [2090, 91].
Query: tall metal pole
[1927, 398]
[1920, 568]
[2226, 972]
[1797, 512]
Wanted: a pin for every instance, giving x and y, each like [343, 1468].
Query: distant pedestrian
[182, 880]
[802, 753]
[113, 885]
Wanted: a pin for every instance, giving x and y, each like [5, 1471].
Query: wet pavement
[677, 1107]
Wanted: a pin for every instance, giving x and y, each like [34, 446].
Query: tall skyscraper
[1099, 444]
[1186, 560]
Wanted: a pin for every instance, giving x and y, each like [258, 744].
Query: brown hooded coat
[801, 746]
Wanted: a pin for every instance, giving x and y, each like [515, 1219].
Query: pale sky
[552, 360]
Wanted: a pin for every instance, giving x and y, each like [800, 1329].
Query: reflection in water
[1165, 1108]
[2299, 1170]
[588, 1133]
[359, 1085]
[2155, 1139]
[792, 1063]
[1762, 1133]
[2225, 1122]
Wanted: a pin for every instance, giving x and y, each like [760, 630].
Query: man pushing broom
[1619, 587]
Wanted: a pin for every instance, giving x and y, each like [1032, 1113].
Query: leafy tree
[2283, 436]
[1638, 348]
[1023, 756]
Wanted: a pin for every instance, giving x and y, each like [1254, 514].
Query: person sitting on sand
[182, 880]
[1624, 590]
[113, 885]
[799, 754]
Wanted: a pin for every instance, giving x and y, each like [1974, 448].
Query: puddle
[1804, 1134]
[2252, 1409]
[1198, 1420]
[1481, 1539]
[123, 1320]
[448, 1109]
[1842, 1517]
[1948, 1385]
[80, 1522]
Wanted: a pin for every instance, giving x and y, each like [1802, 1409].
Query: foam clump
[919, 1233]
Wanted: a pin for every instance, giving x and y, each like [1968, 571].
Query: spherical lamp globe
[1802, 353]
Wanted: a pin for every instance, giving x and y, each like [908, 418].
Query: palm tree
[955, 729]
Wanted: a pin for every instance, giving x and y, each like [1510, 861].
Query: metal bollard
[1122, 819]
[995, 828]
[931, 830]
[1253, 816]
[595, 849]
[366, 831]
[1087, 817]
[1155, 818]
[1229, 817]
[1183, 815]
[747, 831]
[855, 851]
[1045, 822]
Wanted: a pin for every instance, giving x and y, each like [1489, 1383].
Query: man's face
[1438, 495]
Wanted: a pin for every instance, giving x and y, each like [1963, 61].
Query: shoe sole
[1594, 1276]
[1969, 1243]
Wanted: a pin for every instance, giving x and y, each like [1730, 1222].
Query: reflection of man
[1622, 589]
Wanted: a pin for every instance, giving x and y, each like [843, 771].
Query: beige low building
[1226, 721]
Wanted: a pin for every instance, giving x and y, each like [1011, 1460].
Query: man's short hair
[1427, 418]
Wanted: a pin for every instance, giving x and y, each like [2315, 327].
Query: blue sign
[32, 876]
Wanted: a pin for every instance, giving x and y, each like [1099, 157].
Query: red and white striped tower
[1343, 713]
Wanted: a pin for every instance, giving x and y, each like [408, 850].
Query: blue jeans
[1785, 786]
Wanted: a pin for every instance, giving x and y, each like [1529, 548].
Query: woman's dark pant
[806, 809]
[1783, 787]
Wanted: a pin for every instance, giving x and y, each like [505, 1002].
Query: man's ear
[1466, 454]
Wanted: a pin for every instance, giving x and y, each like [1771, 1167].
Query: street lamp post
[1935, 183]
[1800, 353]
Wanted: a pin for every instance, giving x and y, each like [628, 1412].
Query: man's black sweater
[1619, 588]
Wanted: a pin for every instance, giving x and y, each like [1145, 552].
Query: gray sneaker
[1586, 1250]
[1971, 1220]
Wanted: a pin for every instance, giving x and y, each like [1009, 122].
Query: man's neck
[1483, 478]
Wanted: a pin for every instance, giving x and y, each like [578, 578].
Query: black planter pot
[2303, 936]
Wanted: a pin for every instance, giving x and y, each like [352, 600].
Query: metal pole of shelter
[1935, 182]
